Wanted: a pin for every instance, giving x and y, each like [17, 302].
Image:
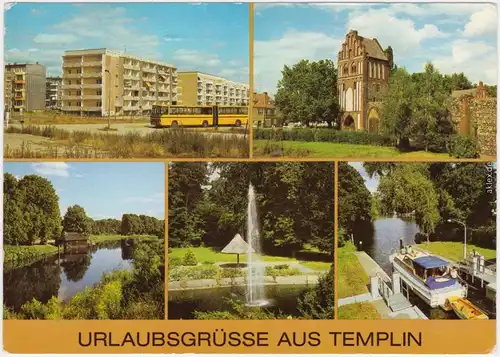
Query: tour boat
[428, 276]
[465, 309]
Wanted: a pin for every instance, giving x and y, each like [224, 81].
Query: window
[78, 81]
[69, 82]
[345, 70]
[98, 92]
[260, 111]
[353, 68]
[99, 104]
[69, 71]
[78, 104]
[78, 92]
[98, 81]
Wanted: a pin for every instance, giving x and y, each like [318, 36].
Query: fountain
[256, 270]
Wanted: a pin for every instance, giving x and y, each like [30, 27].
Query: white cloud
[483, 22]
[478, 60]
[172, 39]
[272, 55]
[60, 169]
[404, 36]
[155, 197]
[196, 58]
[48, 38]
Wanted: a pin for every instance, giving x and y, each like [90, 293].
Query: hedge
[325, 135]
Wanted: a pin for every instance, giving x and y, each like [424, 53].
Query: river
[66, 274]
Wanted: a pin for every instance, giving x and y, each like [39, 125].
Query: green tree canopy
[31, 210]
[76, 220]
[307, 92]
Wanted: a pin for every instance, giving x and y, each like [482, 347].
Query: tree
[184, 193]
[38, 203]
[307, 92]
[457, 81]
[416, 107]
[354, 201]
[76, 220]
[407, 190]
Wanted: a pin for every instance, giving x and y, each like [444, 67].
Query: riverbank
[455, 250]
[107, 238]
[24, 255]
[19, 256]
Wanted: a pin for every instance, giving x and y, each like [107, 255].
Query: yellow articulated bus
[174, 116]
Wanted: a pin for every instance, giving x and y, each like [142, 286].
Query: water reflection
[382, 238]
[65, 274]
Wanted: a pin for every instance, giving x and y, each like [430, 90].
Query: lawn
[358, 311]
[204, 254]
[455, 250]
[105, 238]
[352, 279]
[317, 265]
[346, 151]
[18, 256]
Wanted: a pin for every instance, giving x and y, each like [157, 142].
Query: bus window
[206, 110]
[244, 110]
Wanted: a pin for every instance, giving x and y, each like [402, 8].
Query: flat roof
[429, 262]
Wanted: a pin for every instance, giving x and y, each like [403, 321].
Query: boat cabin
[432, 270]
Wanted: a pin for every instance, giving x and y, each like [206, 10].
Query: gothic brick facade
[363, 77]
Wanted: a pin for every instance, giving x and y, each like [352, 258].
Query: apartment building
[101, 82]
[28, 88]
[205, 89]
[53, 97]
[8, 91]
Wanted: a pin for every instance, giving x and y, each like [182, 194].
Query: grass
[48, 117]
[19, 256]
[339, 150]
[204, 254]
[106, 238]
[352, 279]
[358, 311]
[455, 250]
[317, 265]
[158, 143]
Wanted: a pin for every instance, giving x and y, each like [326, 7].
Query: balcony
[130, 108]
[71, 109]
[92, 63]
[131, 77]
[92, 109]
[146, 107]
[92, 96]
[19, 98]
[72, 75]
[72, 64]
[72, 97]
[71, 86]
[92, 85]
[131, 66]
[92, 75]
[149, 70]
[19, 81]
[131, 97]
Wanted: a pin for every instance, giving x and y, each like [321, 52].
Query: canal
[65, 274]
[381, 239]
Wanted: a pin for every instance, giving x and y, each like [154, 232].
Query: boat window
[420, 271]
[408, 261]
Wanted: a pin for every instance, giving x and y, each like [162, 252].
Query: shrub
[463, 147]
[194, 272]
[189, 259]
[325, 135]
[274, 272]
[232, 273]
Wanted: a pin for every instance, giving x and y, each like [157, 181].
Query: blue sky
[211, 38]
[370, 183]
[105, 190]
[455, 37]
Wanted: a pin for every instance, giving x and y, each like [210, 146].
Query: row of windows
[199, 110]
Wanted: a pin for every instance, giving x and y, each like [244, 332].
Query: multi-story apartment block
[205, 89]
[100, 82]
[28, 87]
[8, 91]
[54, 93]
